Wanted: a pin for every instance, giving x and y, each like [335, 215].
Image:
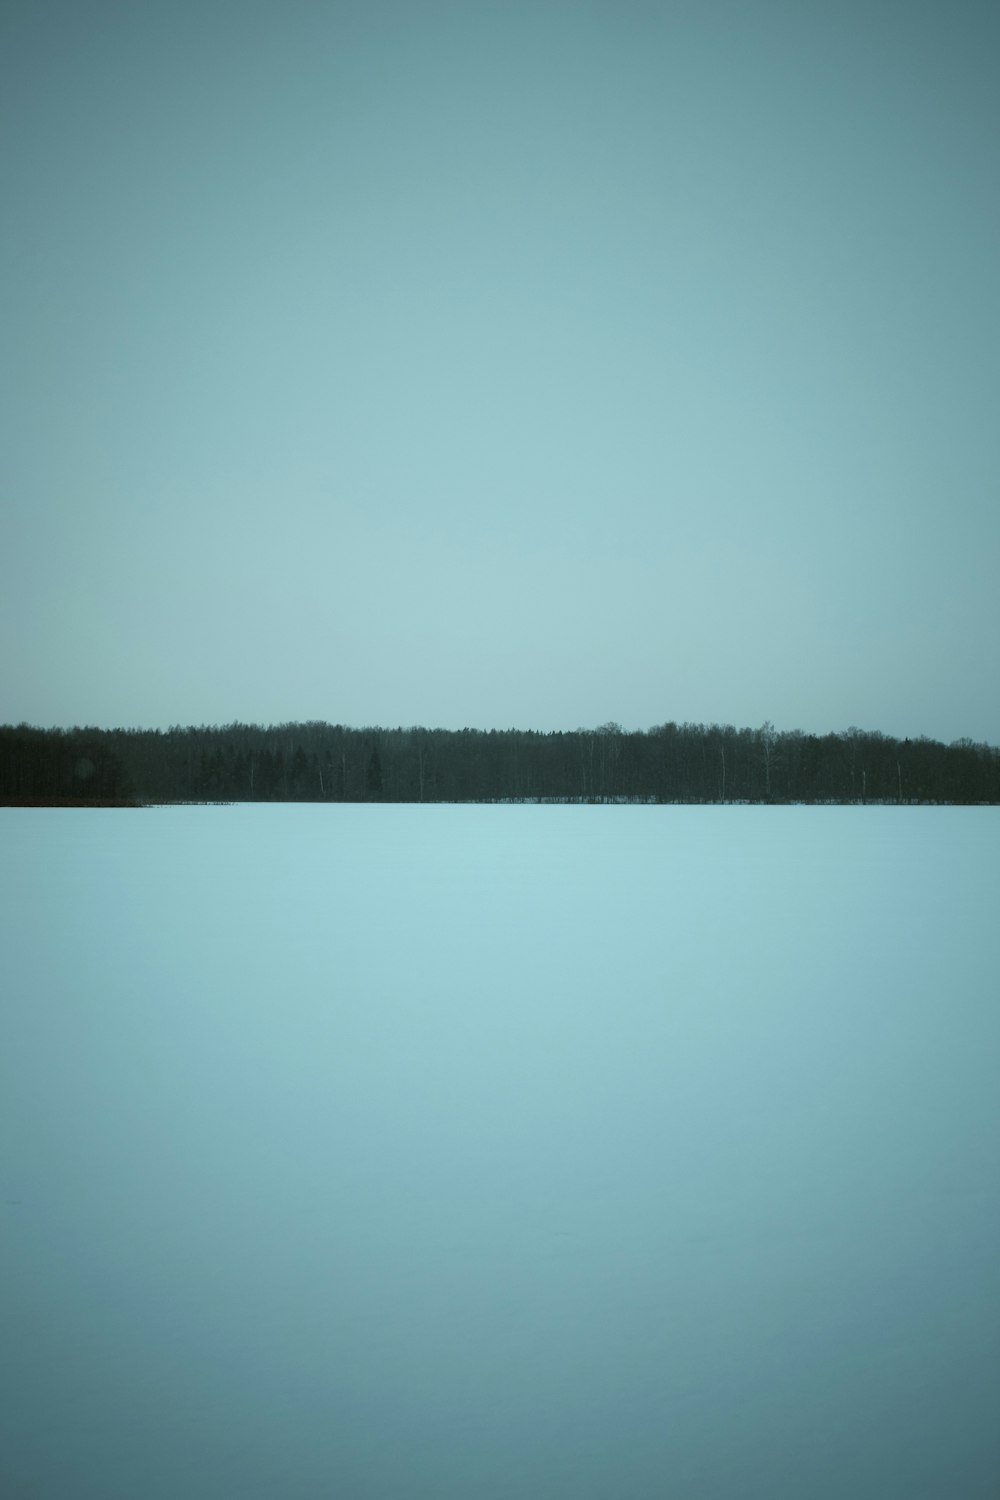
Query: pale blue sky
[491, 364]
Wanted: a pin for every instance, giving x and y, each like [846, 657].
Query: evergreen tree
[373, 775]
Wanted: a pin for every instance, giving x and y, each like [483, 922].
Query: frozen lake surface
[571, 1153]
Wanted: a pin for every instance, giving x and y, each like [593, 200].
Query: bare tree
[768, 751]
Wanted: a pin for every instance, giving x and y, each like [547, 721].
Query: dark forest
[320, 762]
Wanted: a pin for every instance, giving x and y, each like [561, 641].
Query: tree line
[320, 762]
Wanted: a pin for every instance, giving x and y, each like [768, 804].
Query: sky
[508, 364]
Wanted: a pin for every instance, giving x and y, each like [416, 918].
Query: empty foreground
[576, 1152]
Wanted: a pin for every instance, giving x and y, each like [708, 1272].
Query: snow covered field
[572, 1153]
